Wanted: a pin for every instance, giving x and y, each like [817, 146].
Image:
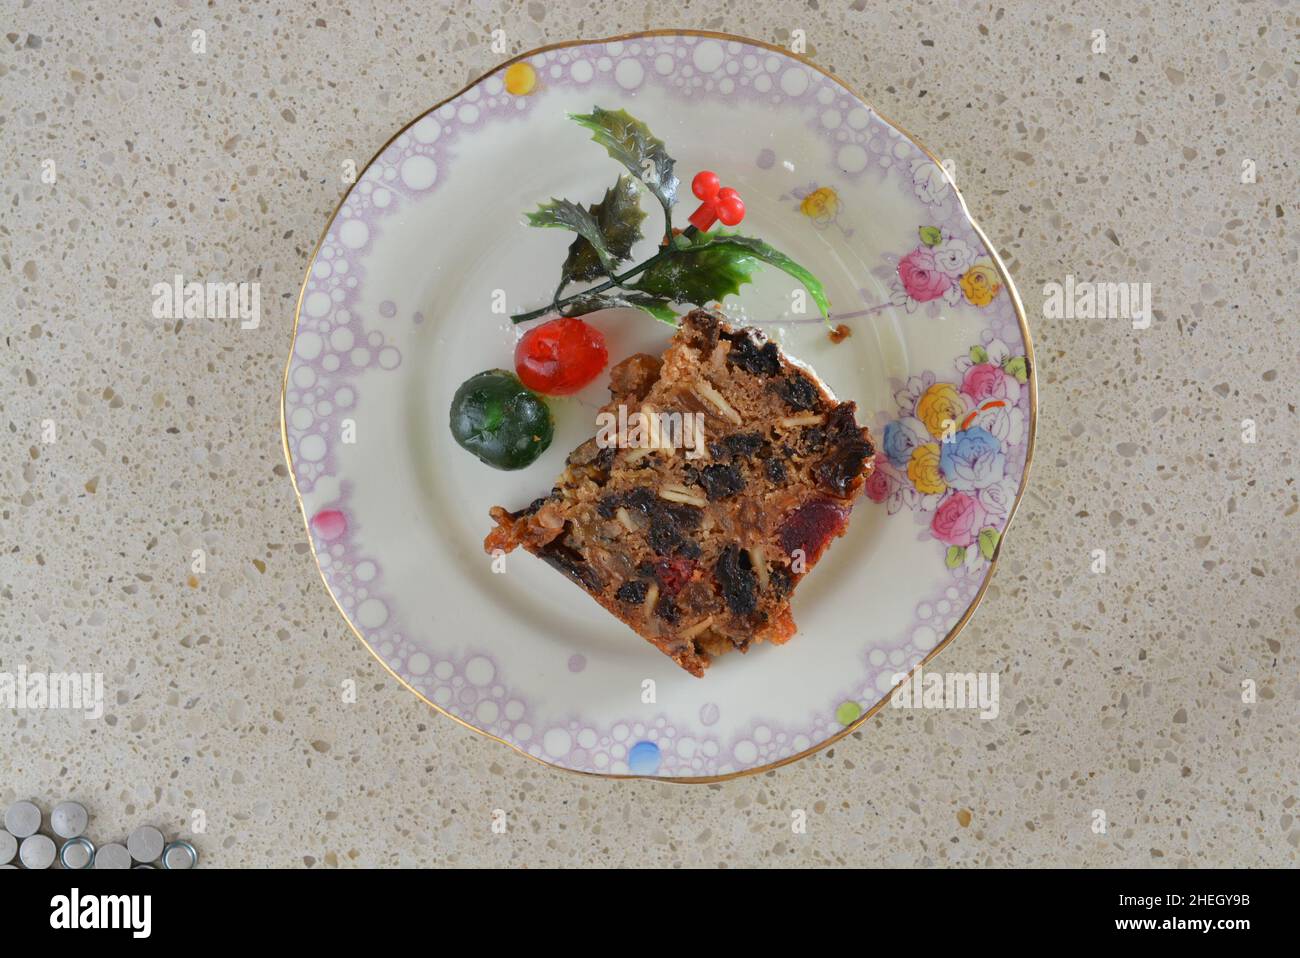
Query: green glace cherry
[497, 419]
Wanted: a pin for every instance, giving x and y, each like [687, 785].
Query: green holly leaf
[699, 274]
[766, 253]
[566, 214]
[956, 556]
[988, 542]
[630, 141]
[618, 217]
[1017, 367]
[978, 354]
[931, 235]
[660, 309]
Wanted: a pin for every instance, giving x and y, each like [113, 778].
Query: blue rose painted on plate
[972, 459]
[901, 437]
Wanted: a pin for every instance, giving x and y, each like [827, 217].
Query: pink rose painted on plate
[921, 276]
[958, 520]
[881, 484]
[986, 381]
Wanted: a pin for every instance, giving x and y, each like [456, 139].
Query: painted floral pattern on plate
[951, 453]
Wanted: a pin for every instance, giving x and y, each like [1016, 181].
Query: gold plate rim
[1017, 305]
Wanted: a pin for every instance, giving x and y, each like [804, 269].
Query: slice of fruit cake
[699, 550]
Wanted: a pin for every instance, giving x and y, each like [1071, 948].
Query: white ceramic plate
[396, 312]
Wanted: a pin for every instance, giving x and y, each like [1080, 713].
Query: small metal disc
[179, 855]
[23, 819]
[8, 868]
[8, 847]
[146, 844]
[112, 856]
[37, 852]
[77, 853]
[148, 868]
[69, 819]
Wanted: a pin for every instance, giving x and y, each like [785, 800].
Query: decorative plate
[398, 309]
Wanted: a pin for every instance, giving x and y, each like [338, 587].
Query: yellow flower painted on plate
[520, 79]
[941, 406]
[820, 204]
[923, 469]
[981, 283]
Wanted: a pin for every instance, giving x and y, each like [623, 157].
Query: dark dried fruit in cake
[572, 563]
[737, 444]
[718, 481]
[759, 359]
[799, 393]
[842, 465]
[633, 591]
[810, 528]
[701, 554]
[737, 582]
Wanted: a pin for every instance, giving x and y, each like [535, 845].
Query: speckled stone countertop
[1121, 692]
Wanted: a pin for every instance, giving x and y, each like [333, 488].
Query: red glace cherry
[561, 356]
[719, 202]
[673, 573]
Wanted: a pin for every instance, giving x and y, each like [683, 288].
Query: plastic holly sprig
[693, 266]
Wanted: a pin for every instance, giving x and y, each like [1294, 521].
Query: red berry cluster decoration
[718, 202]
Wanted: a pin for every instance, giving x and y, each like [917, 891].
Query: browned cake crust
[700, 554]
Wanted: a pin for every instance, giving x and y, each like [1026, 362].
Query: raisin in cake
[700, 554]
